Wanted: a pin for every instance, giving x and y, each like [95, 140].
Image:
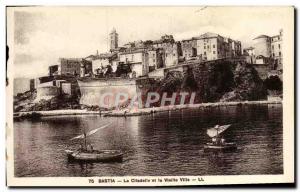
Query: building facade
[170, 50]
[189, 48]
[137, 59]
[75, 66]
[262, 45]
[276, 50]
[211, 46]
[267, 50]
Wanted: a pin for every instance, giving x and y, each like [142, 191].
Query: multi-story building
[75, 66]
[262, 46]
[137, 59]
[53, 69]
[101, 61]
[268, 50]
[171, 50]
[189, 49]
[155, 57]
[276, 50]
[237, 48]
[249, 54]
[211, 46]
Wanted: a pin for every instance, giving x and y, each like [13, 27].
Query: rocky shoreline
[136, 112]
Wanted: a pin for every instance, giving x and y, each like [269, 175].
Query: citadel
[130, 68]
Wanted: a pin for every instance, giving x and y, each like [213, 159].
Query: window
[166, 54]
[153, 55]
[273, 54]
[279, 46]
[204, 53]
[153, 60]
[214, 46]
[207, 46]
[214, 52]
[273, 47]
[174, 54]
[279, 53]
[204, 47]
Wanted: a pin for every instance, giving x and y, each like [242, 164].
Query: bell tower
[113, 37]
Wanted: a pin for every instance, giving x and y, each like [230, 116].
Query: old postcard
[149, 96]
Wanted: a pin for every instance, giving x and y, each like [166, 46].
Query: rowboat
[95, 155]
[90, 155]
[220, 147]
[218, 143]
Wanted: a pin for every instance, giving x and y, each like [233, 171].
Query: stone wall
[92, 90]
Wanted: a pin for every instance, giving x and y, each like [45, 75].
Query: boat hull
[221, 147]
[95, 156]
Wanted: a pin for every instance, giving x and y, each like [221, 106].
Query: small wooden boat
[95, 155]
[85, 155]
[220, 147]
[218, 143]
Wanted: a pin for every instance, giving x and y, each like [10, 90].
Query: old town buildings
[138, 58]
[266, 50]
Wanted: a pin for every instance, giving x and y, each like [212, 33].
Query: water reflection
[167, 143]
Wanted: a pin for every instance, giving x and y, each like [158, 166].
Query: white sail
[90, 132]
[215, 131]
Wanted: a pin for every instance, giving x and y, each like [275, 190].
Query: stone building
[155, 57]
[137, 59]
[74, 66]
[249, 54]
[211, 46]
[262, 45]
[237, 48]
[268, 50]
[53, 70]
[189, 48]
[171, 50]
[276, 50]
[101, 61]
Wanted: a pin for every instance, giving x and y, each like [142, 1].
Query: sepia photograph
[149, 96]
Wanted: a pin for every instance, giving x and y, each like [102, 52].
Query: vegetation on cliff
[221, 81]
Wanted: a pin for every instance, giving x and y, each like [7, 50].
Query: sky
[42, 35]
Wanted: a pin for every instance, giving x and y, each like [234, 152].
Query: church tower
[113, 36]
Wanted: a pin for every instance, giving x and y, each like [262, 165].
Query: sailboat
[91, 155]
[218, 142]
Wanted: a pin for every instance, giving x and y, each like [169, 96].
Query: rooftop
[261, 36]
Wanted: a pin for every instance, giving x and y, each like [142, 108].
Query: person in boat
[214, 140]
[80, 148]
[222, 141]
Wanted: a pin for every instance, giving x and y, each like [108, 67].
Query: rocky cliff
[213, 82]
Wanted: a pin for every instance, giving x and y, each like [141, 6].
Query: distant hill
[21, 85]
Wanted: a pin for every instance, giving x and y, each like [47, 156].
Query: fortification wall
[95, 90]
